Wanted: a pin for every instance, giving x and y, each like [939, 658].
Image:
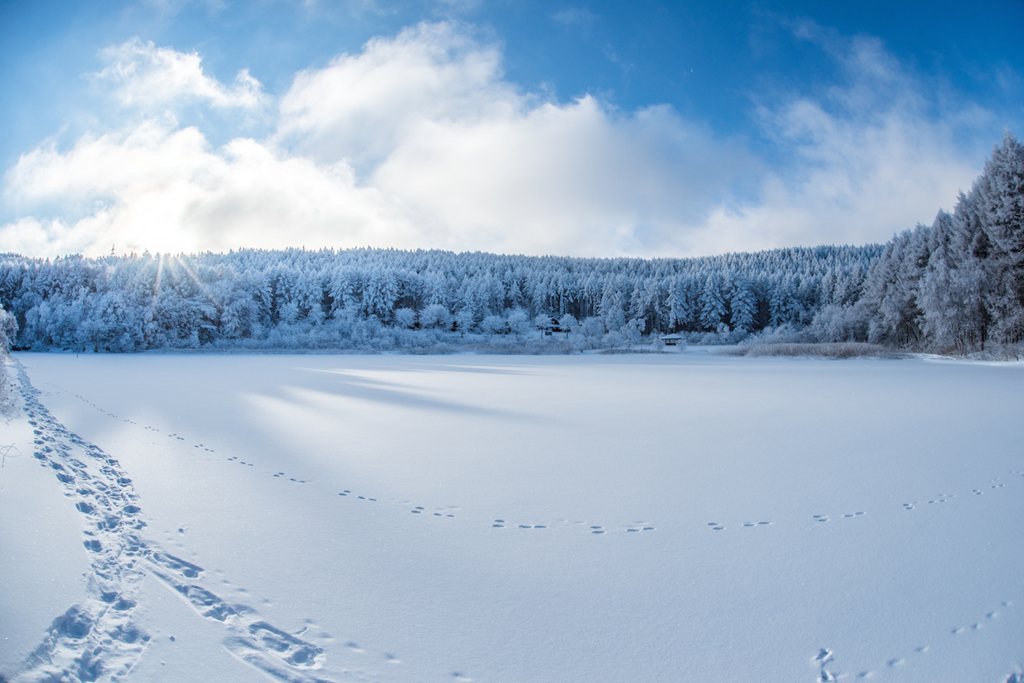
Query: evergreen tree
[999, 196]
[713, 310]
[742, 303]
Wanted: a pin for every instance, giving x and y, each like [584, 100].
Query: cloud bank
[419, 141]
[148, 77]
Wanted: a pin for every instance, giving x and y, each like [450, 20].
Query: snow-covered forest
[954, 286]
[382, 299]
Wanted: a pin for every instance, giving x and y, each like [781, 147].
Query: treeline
[380, 299]
[957, 285]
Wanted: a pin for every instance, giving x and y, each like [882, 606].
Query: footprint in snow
[347, 493]
[719, 526]
[826, 518]
[445, 512]
[100, 628]
[436, 512]
[595, 529]
[923, 649]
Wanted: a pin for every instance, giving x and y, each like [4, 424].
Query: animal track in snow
[907, 658]
[994, 485]
[496, 523]
[150, 428]
[443, 512]
[176, 437]
[825, 657]
[436, 512]
[594, 529]
[826, 518]
[423, 511]
[981, 623]
[719, 526]
[821, 660]
[347, 493]
[937, 500]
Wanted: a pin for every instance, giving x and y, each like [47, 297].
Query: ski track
[252, 640]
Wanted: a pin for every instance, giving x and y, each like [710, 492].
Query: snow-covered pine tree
[713, 310]
[999, 198]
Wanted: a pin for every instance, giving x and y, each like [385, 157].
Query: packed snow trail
[97, 639]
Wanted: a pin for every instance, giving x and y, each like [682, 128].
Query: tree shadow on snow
[356, 385]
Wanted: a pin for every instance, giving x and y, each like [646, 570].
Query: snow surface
[685, 517]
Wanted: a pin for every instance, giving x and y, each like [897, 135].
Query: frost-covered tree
[518, 322]
[353, 298]
[592, 329]
[952, 290]
[633, 330]
[890, 299]
[682, 303]
[713, 310]
[742, 303]
[611, 309]
[542, 321]
[8, 329]
[960, 282]
[435, 316]
[464, 321]
[405, 318]
[494, 324]
[998, 195]
[568, 323]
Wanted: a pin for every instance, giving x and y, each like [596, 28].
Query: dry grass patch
[832, 350]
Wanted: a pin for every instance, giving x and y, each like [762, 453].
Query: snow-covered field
[512, 519]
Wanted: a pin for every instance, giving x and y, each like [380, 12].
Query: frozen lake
[513, 519]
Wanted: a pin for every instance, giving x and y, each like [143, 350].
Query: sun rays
[176, 265]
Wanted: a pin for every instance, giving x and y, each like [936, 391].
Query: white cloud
[477, 164]
[870, 158]
[149, 77]
[419, 141]
[165, 190]
[561, 178]
[362, 106]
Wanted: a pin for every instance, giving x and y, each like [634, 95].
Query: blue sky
[593, 129]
